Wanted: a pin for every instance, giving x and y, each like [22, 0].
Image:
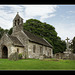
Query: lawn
[36, 64]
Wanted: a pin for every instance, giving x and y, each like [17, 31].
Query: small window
[18, 21]
[50, 51]
[17, 50]
[34, 48]
[45, 48]
[41, 50]
[15, 22]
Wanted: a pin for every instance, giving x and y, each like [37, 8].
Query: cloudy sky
[62, 17]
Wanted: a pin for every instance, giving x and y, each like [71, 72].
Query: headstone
[13, 56]
[68, 50]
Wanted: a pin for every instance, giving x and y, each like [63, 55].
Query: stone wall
[72, 56]
[5, 41]
[59, 55]
[14, 49]
[23, 39]
[31, 54]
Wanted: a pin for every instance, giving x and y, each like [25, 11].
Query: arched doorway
[4, 52]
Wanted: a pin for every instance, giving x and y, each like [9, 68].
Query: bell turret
[17, 23]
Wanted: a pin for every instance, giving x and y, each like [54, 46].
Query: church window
[50, 51]
[17, 50]
[45, 48]
[34, 48]
[15, 22]
[41, 50]
[18, 21]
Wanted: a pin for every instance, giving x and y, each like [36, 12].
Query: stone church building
[22, 41]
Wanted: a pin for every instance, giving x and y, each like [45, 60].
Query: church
[24, 42]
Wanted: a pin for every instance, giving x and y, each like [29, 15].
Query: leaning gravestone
[13, 56]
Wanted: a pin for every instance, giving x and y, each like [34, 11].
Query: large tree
[2, 32]
[73, 45]
[46, 31]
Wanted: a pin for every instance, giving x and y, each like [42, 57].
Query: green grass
[36, 64]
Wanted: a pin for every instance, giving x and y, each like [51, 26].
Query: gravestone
[68, 50]
[13, 56]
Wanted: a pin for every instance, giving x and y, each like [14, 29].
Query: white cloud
[40, 10]
[65, 31]
[8, 12]
[71, 11]
[46, 16]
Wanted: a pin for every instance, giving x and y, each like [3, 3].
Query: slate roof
[37, 39]
[32, 38]
[15, 41]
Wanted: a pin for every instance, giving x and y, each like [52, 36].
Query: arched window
[15, 22]
[34, 48]
[50, 51]
[41, 50]
[17, 50]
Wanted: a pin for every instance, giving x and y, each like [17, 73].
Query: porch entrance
[4, 52]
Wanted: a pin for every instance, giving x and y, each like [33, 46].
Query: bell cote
[17, 23]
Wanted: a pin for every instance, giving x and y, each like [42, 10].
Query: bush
[20, 56]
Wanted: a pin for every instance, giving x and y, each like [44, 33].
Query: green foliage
[73, 45]
[20, 55]
[10, 31]
[36, 64]
[46, 31]
[1, 32]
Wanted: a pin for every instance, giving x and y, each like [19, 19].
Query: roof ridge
[47, 42]
[33, 34]
[37, 39]
[15, 40]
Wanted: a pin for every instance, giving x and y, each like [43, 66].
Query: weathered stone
[41, 57]
[13, 56]
[59, 55]
[22, 41]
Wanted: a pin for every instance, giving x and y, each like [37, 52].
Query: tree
[1, 32]
[10, 31]
[46, 31]
[73, 45]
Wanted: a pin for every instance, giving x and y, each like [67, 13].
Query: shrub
[20, 56]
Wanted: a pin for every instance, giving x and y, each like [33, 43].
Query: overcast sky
[62, 17]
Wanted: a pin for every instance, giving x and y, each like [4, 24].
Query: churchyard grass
[36, 64]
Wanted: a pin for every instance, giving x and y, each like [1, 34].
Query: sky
[62, 17]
